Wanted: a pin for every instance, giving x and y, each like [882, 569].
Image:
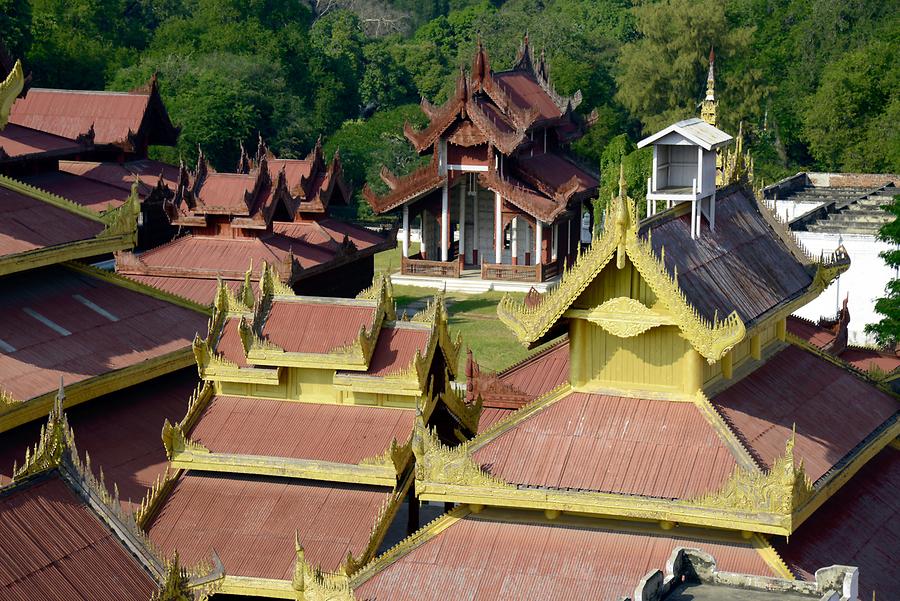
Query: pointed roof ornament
[60, 397]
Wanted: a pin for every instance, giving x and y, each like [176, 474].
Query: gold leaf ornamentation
[439, 463]
[10, 88]
[313, 584]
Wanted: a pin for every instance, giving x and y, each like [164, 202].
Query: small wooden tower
[684, 168]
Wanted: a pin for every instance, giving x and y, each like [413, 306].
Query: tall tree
[887, 330]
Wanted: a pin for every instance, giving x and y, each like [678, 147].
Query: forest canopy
[814, 82]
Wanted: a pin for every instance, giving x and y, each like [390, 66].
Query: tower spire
[709, 106]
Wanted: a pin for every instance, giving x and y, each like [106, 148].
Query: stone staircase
[844, 210]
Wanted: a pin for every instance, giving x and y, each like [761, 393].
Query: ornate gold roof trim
[10, 88]
[740, 453]
[711, 338]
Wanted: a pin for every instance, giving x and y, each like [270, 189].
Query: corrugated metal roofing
[122, 175]
[540, 373]
[486, 559]
[86, 192]
[251, 522]
[396, 348]
[859, 526]
[70, 113]
[310, 327]
[492, 415]
[199, 290]
[120, 431]
[612, 444]
[743, 266]
[527, 93]
[810, 332]
[696, 130]
[833, 409]
[230, 346]
[17, 141]
[226, 191]
[146, 327]
[557, 171]
[338, 433]
[52, 546]
[27, 224]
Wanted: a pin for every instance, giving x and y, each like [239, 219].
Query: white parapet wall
[865, 281]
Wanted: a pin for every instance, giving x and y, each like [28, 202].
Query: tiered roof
[347, 374]
[632, 470]
[516, 113]
[272, 211]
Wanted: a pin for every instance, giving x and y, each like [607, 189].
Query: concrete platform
[470, 283]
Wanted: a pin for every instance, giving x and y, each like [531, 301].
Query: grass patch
[473, 316]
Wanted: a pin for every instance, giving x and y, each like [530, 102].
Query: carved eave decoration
[313, 584]
[406, 188]
[620, 239]
[10, 88]
[750, 500]
[530, 201]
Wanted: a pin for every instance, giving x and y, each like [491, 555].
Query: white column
[538, 240]
[406, 230]
[423, 245]
[513, 234]
[476, 242]
[699, 169]
[445, 222]
[462, 217]
[498, 229]
[555, 241]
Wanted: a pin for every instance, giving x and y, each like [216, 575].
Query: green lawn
[474, 316]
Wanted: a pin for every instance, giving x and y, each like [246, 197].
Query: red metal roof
[28, 224]
[65, 324]
[613, 444]
[859, 526]
[527, 93]
[294, 170]
[498, 559]
[230, 346]
[490, 416]
[122, 175]
[251, 522]
[540, 373]
[396, 348]
[120, 431]
[810, 332]
[17, 141]
[226, 191]
[336, 433]
[88, 193]
[309, 327]
[557, 171]
[70, 113]
[833, 409]
[52, 546]
[199, 290]
[866, 359]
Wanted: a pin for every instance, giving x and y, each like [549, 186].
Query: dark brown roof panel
[200, 290]
[251, 522]
[859, 526]
[612, 444]
[478, 558]
[338, 433]
[17, 141]
[52, 546]
[833, 409]
[742, 266]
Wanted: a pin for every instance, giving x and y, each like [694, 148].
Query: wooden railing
[436, 269]
[519, 273]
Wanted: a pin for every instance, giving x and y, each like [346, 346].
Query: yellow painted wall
[612, 283]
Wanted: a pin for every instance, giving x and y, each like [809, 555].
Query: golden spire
[709, 106]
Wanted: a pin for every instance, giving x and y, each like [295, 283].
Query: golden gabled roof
[711, 338]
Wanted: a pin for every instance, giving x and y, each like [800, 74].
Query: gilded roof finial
[10, 88]
[709, 106]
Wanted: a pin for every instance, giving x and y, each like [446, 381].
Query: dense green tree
[663, 72]
[15, 27]
[851, 121]
[887, 330]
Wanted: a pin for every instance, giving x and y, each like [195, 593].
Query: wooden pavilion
[500, 193]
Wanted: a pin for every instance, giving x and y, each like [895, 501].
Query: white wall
[865, 281]
[790, 210]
